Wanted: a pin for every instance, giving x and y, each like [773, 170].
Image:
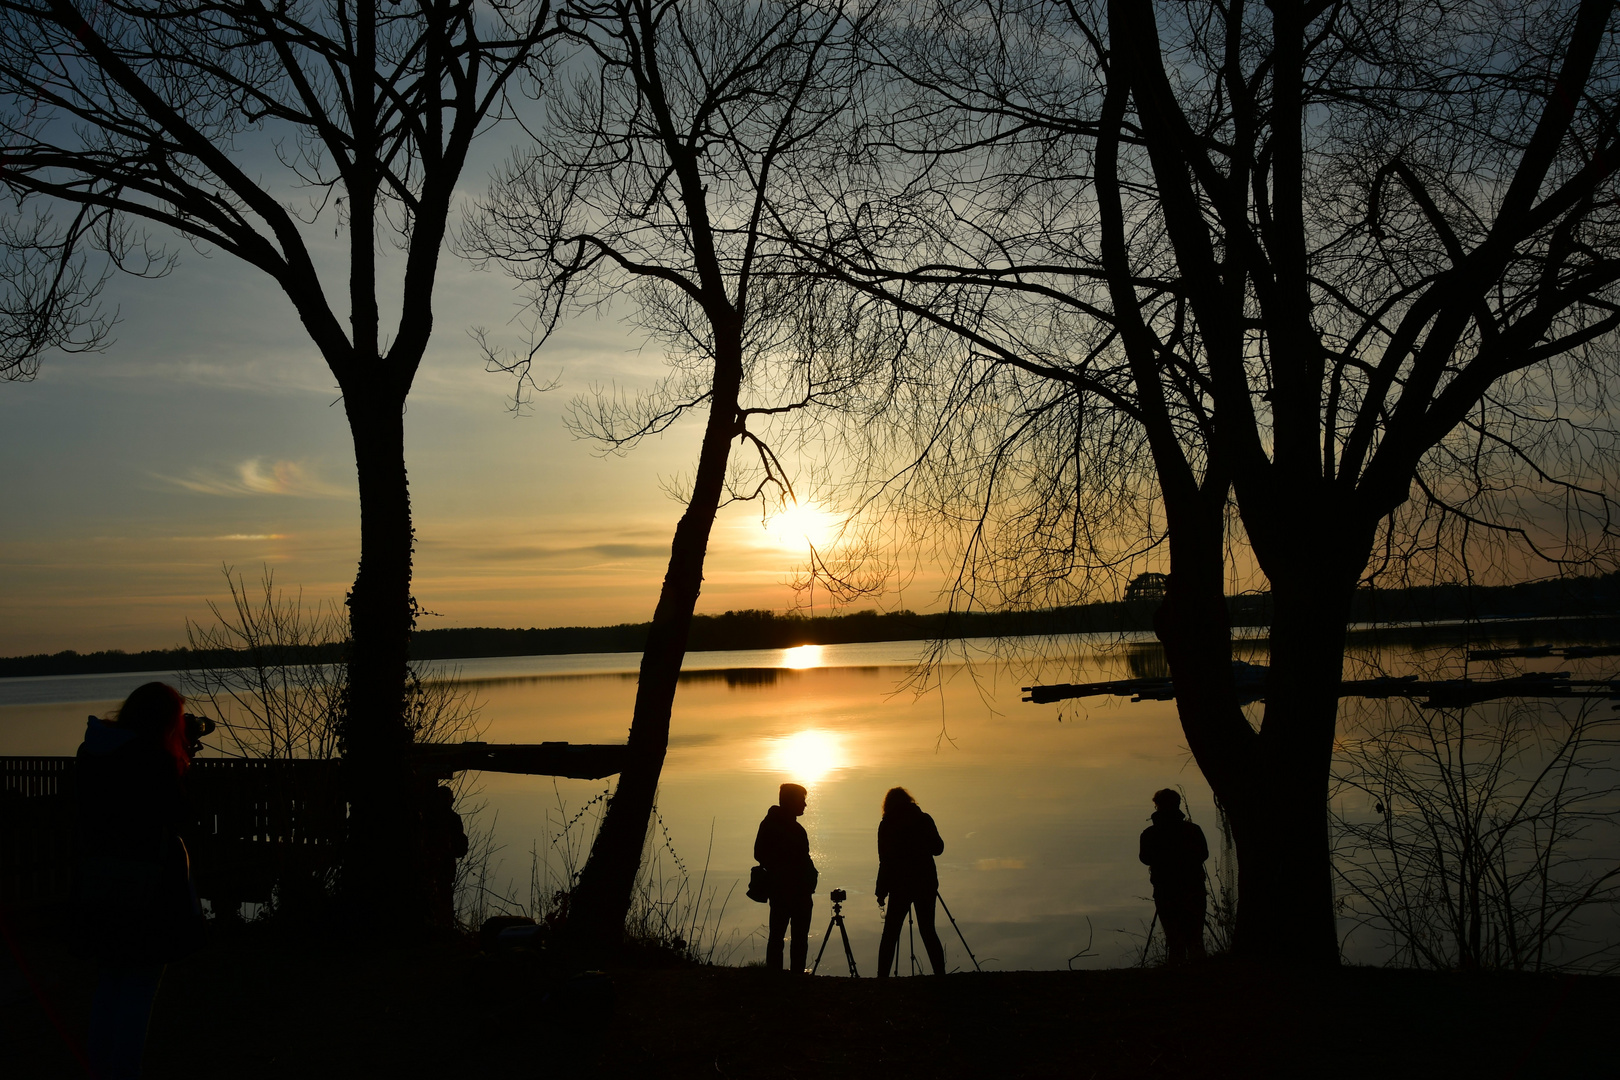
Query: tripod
[838, 921]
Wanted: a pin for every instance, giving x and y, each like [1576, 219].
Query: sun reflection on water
[802, 656]
[807, 756]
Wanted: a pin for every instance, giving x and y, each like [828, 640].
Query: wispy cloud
[532, 553]
[256, 476]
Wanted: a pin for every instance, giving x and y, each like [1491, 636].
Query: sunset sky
[210, 434]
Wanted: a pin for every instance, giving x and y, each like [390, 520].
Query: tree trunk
[1285, 865]
[380, 881]
[1272, 784]
[601, 901]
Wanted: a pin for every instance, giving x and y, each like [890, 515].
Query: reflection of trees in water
[737, 677]
[1483, 837]
[1146, 661]
[760, 677]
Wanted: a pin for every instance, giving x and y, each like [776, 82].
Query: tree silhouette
[688, 127]
[48, 292]
[170, 114]
[1331, 283]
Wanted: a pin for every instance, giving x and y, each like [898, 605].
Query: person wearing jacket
[132, 878]
[907, 843]
[782, 847]
[1174, 850]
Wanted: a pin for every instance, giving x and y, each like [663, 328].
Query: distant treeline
[112, 660]
[1585, 598]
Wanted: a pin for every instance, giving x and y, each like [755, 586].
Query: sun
[801, 524]
[807, 756]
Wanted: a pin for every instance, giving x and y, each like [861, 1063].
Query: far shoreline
[1584, 609]
[1532, 632]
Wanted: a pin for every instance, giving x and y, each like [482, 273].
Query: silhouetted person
[1174, 850]
[132, 878]
[444, 840]
[782, 847]
[907, 878]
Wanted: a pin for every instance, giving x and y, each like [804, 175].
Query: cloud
[531, 553]
[999, 864]
[255, 477]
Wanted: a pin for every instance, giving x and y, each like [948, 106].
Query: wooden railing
[253, 824]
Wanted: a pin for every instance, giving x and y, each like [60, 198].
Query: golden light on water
[807, 756]
[802, 656]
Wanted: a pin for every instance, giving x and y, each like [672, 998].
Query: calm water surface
[1040, 806]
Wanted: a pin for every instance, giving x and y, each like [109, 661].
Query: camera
[197, 729]
[839, 896]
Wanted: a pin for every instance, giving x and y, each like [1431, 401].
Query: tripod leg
[959, 933]
[958, 930]
[849, 953]
[824, 939]
[1146, 944]
[911, 937]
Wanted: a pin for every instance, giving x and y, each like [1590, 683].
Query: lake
[1040, 806]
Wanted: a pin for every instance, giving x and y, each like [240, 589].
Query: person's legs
[925, 929]
[800, 952]
[1197, 912]
[781, 910]
[894, 919]
[119, 1015]
[1175, 936]
[1183, 917]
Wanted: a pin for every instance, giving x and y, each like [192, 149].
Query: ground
[262, 1006]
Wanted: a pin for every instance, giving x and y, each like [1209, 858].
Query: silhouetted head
[1167, 799]
[157, 712]
[897, 798]
[792, 798]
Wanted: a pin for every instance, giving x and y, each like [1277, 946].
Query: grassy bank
[256, 1008]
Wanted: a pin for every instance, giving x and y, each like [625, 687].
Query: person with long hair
[135, 907]
[908, 840]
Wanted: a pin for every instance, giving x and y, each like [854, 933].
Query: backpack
[759, 885]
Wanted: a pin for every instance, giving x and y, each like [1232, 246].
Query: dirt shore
[255, 1007]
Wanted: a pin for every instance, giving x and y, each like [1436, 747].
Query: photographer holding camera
[132, 877]
[1174, 851]
[782, 847]
[908, 840]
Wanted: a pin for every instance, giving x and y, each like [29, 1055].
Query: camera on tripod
[197, 729]
[838, 897]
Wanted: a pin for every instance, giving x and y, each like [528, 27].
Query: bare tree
[164, 113]
[1328, 286]
[687, 126]
[277, 677]
[1480, 837]
[280, 693]
[48, 293]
